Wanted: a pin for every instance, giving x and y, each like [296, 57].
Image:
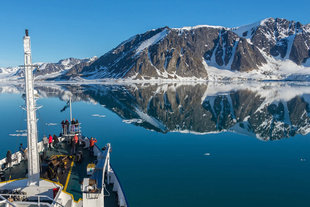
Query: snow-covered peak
[68, 61]
[264, 22]
[274, 29]
[73, 61]
[199, 26]
[8, 72]
[93, 58]
[307, 28]
[44, 69]
[65, 64]
[246, 31]
[238, 30]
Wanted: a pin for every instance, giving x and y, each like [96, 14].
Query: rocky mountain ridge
[189, 52]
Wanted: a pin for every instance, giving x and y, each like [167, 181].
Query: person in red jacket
[50, 141]
[74, 143]
[92, 142]
[76, 139]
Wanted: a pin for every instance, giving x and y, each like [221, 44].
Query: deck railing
[37, 200]
[17, 157]
[6, 201]
[106, 164]
[72, 129]
[111, 176]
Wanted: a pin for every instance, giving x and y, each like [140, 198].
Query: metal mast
[70, 110]
[33, 155]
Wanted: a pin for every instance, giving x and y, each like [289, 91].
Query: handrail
[18, 154]
[6, 200]
[121, 188]
[106, 162]
[34, 196]
[33, 203]
[101, 167]
[57, 196]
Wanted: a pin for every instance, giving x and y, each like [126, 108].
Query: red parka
[50, 139]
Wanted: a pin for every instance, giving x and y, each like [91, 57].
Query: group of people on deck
[50, 142]
[75, 142]
[66, 126]
[53, 141]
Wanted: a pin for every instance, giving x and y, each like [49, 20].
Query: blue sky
[80, 28]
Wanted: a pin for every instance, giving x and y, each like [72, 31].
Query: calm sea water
[194, 145]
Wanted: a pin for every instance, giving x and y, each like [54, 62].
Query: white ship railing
[103, 172]
[111, 176]
[41, 200]
[118, 188]
[5, 201]
[17, 157]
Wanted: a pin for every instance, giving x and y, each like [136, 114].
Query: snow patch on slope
[290, 41]
[273, 70]
[151, 41]
[246, 30]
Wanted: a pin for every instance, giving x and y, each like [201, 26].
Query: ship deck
[71, 178]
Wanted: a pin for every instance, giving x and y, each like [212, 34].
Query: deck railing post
[108, 168]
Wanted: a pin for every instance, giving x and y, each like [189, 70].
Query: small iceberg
[18, 135]
[129, 121]
[99, 115]
[51, 124]
[21, 130]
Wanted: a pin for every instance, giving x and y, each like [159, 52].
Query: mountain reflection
[267, 111]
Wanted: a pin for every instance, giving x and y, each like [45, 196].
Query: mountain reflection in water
[268, 111]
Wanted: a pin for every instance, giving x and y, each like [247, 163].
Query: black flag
[65, 107]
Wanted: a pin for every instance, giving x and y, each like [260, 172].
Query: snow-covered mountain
[55, 69]
[268, 49]
[8, 73]
[271, 49]
[46, 71]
